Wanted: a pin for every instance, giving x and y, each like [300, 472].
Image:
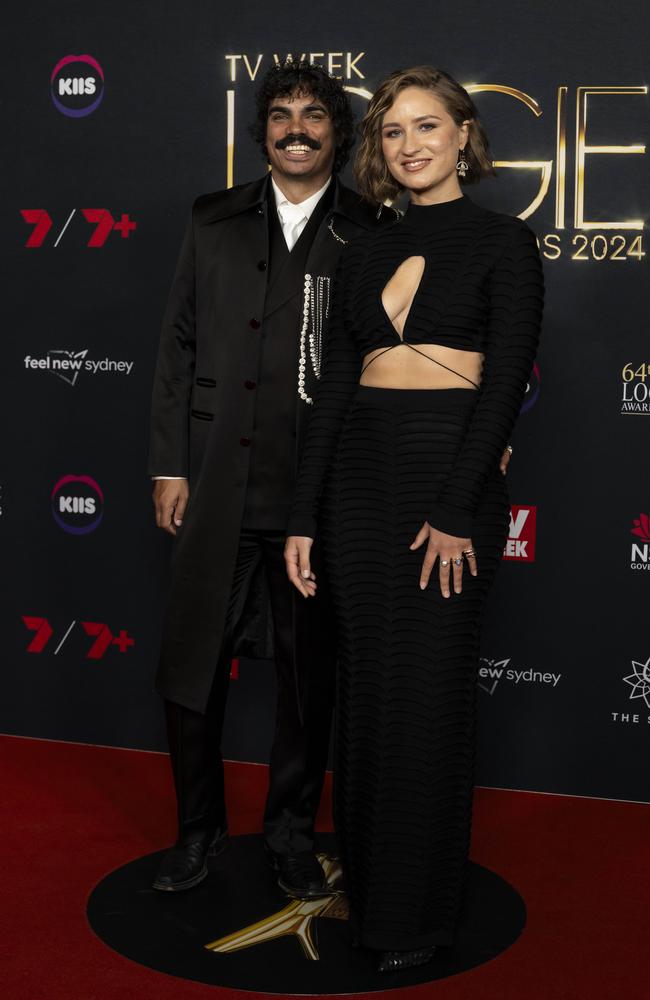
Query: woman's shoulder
[511, 228]
[360, 246]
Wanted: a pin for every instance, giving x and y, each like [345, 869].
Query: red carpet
[72, 813]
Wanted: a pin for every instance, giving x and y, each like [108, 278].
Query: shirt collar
[307, 206]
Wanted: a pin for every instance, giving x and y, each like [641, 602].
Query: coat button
[249, 384]
[244, 442]
[261, 265]
[255, 323]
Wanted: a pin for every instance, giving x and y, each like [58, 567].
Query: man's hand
[170, 498]
[296, 557]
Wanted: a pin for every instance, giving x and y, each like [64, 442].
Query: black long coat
[202, 414]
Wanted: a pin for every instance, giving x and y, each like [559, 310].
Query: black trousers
[305, 655]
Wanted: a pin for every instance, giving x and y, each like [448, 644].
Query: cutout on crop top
[397, 302]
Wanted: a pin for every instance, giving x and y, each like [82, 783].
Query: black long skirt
[405, 742]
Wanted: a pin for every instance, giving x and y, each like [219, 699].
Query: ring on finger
[444, 562]
[458, 561]
[469, 552]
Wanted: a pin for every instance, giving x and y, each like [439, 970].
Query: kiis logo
[522, 535]
[77, 504]
[77, 86]
[532, 390]
[640, 554]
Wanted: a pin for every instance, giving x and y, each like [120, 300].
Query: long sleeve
[516, 294]
[169, 429]
[339, 379]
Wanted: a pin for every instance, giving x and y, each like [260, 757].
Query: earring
[462, 166]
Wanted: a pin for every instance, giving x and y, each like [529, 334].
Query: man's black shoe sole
[214, 852]
[181, 886]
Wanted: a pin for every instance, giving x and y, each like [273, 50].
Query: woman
[433, 332]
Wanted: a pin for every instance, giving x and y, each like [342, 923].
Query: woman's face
[420, 142]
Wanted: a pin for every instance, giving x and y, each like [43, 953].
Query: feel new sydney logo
[68, 365]
[492, 672]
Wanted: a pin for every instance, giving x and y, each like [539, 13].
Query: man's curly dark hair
[284, 79]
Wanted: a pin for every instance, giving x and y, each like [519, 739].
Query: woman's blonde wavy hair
[374, 180]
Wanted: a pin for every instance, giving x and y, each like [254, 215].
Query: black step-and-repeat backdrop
[115, 117]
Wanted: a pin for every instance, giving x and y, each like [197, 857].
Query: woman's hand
[450, 551]
[297, 550]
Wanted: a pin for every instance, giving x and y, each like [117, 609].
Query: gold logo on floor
[295, 920]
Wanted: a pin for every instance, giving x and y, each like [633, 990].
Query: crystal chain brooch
[315, 307]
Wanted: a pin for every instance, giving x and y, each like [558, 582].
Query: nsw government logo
[520, 546]
[77, 504]
[77, 85]
[640, 552]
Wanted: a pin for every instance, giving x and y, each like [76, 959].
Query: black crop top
[482, 289]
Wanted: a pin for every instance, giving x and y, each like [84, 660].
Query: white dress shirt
[293, 219]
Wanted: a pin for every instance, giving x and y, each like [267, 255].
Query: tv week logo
[521, 537]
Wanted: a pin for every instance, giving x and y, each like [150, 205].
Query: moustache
[300, 139]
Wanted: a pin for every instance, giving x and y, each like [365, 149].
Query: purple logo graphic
[77, 504]
[77, 85]
[532, 390]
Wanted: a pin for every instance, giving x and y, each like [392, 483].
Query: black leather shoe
[185, 865]
[300, 875]
[395, 961]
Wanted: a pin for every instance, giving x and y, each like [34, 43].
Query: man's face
[300, 138]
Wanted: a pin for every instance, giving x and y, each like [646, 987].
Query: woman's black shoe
[185, 865]
[395, 961]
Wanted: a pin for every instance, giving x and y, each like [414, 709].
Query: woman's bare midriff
[403, 367]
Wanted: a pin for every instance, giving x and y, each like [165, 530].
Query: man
[238, 363]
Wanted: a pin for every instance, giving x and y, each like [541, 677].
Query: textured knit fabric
[378, 463]
[482, 290]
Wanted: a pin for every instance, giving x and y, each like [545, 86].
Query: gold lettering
[359, 91]
[351, 67]
[233, 66]
[288, 58]
[316, 56]
[230, 138]
[545, 166]
[582, 150]
[252, 72]
[560, 157]
[552, 248]
[331, 65]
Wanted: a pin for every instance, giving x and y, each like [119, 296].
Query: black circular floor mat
[238, 930]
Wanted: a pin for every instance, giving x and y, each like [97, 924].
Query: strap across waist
[433, 360]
